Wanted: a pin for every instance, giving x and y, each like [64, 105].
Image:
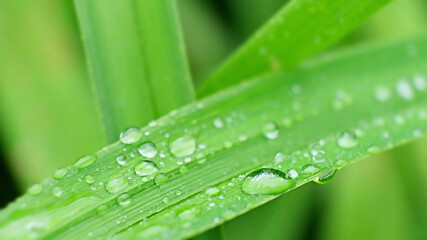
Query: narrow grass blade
[138, 68]
[299, 30]
[186, 174]
[45, 101]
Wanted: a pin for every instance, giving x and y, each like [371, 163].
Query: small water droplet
[347, 140]
[85, 161]
[292, 174]
[183, 169]
[60, 173]
[341, 163]
[35, 189]
[420, 82]
[189, 213]
[57, 191]
[121, 160]
[183, 146]
[116, 185]
[373, 149]
[310, 169]
[124, 199]
[102, 208]
[267, 181]
[404, 90]
[382, 94]
[271, 130]
[161, 179]
[145, 168]
[280, 157]
[130, 135]
[148, 150]
[212, 191]
[217, 122]
[89, 179]
[326, 177]
[165, 200]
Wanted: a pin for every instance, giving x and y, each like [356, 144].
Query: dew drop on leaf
[145, 168]
[121, 160]
[267, 181]
[325, 178]
[382, 94]
[85, 161]
[35, 189]
[420, 82]
[130, 135]
[212, 191]
[89, 179]
[124, 199]
[271, 130]
[404, 90]
[57, 191]
[183, 146]
[60, 173]
[310, 169]
[347, 140]
[217, 122]
[189, 213]
[161, 179]
[292, 174]
[148, 150]
[116, 185]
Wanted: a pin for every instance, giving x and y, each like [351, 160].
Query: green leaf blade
[299, 30]
[312, 108]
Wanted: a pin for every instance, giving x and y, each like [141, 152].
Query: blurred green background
[48, 118]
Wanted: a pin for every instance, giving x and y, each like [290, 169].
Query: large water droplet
[116, 185]
[121, 160]
[310, 169]
[267, 181]
[183, 146]
[347, 140]
[148, 150]
[326, 177]
[212, 191]
[85, 161]
[145, 168]
[35, 189]
[271, 130]
[60, 173]
[124, 199]
[130, 135]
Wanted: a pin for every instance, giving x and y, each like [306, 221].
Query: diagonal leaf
[320, 118]
[299, 30]
[138, 68]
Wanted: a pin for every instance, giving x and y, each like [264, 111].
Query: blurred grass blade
[43, 90]
[136, 66]
[299, 30]
[186, 175]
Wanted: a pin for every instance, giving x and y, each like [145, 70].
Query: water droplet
[266, 181]
[217, 122]
[280, 157]
[161, 179]
[124, 199]
[130, 135]
[89, 179]
[271, 131]
[341, 163]
[212, 191]
[145, 168]
[382, 94]
[116, 185]
[310, 169]
[121, 160]
[404, 90]
[57, 191]
[420, 82]
[373, 149]
[165, 200]
[183, 146]
[60, 173]
[347, 140]
[292, 174]
[325, 178]
[148, 150]
[183, 169]
[85, 161]
[189, 213]
[102, 208]
[35, 189]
